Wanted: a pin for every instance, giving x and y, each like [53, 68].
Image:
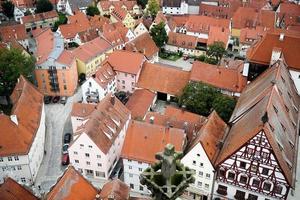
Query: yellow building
[123, 16]
[90, 55]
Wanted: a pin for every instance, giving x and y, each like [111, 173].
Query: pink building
[127, 66]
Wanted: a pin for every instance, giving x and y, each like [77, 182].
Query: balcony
[92, 100]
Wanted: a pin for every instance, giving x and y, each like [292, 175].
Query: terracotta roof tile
[82, 109]
[143, 44]
[27, 106]
[98, 21]
[24, 3]
[13, 32]
[289, 13]
[126, 61]
[72, 185]
[116, 190]
[106, 4]
[119, 13]
[219, 76]
[218, 34]
[261, 52]
[249, 36]
[244, 17]
[140, 102]
[182, 40]
[39, 17]
[11, 190]
[266, 18]
[198, 23]
[104, 75]
[144, 140]
[160, 78]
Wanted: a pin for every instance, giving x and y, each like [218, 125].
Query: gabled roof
[106, 122]
[104, 75]
[126, 61]
[261, 52]
[198, 23]
[72, 185]
[91, 49]
[219, 76]
[11, 190]
[249, 36]
[119, 13]
[105, 5]
[98, 21]
[140, 102]
[162, 78]
[24, 3]
[218, 34]
[144, 140]
[244, 17]
[39, 17]
[13, 32]
[269, 104]
[210, 135]
[76, 5]
[143, 44]
[288, 13]
[27, 106]
[82, 109]
[182, 40]
[116, 190]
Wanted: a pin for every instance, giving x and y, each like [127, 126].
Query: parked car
[65, 148]
[47, 99]
[67, 138]
[65, 159]
[55, 99]
[63, 100]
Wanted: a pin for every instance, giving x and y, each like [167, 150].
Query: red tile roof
[126, 61]
[82, 109]
[140, 102]
[116, 190]
[106, 122]
[11, 190]
[144, 140]
[218, 34]
[161, 78]
[268, 104]
[27, 106]
[106, 4]
[182, 40]
[261, 52]
[119, 13]
[13, 32]
[289, 13]
[72, 185]
[45, 44]
[249, 36]
[266, 18]
[244, 17]
[39, 17]
[143, 44]
[219, 76]
[104, 75]
[98, 21]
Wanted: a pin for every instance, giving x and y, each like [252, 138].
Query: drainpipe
[213, 184]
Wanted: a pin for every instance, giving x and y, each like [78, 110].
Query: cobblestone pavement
[57, 123]
[185, 65]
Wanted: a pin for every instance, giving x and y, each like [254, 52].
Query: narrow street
[57, 123]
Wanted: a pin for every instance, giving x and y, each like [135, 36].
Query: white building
[100, 84]
[175, 7]
[18, 14]
[64, 7]
[140, 29]
[142, 142]
[23, 134]
[200, 157]
[98, 141]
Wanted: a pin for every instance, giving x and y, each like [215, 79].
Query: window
[75, 153]
[98, 156]
[23, 180]
[81, 145]
[267, 186]
[9, 158]
[141, 188]
[242, 165]
[140, 169]
[243, 179]
[16, 158]
[1, 159]
[201, 164]
[76, 161]
[130, 167]
[131, 186]
[138, 161]
[87, 155]
[253, 167]
[198, 154]
[200, 174]
[99, 164]
[222, 190]
[277, 189]
[65, 87]
[123, 82]
[231, 175]
[239, 194]
[252, 197]
[199, 184]
[125, 74]
[222, 172]
[206, 186]
[19, 167]
[265, 171]
[90, 146]
[129, 160]
[255, 183]
[88, 162]
[132, 83]
[132, 76]
[207, 176]
[194, 162]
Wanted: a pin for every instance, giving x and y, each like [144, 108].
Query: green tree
[43, 6]
[224, 105]
[216, 51]
[159, 34]
[142, 3]
[62, 19]
[202, 99]
[92, 11]
[12, 64]
[8, 8]
[153, 8]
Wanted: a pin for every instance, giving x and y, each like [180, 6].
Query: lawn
[169, 56]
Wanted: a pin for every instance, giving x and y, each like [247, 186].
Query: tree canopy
[8, 8]
[159, 34]
[202, 99]
[92, 11]
[43, 6]
[62, 19]
[216, 51]
[12, 64]
[153, 8]
[142, 3]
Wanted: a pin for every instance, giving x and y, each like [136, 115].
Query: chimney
[152, 120]
[281, 36]
[112, 99]
[276, 54]
[14, 119]
[185, 127]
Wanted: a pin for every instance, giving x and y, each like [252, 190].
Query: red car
[65, 159]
